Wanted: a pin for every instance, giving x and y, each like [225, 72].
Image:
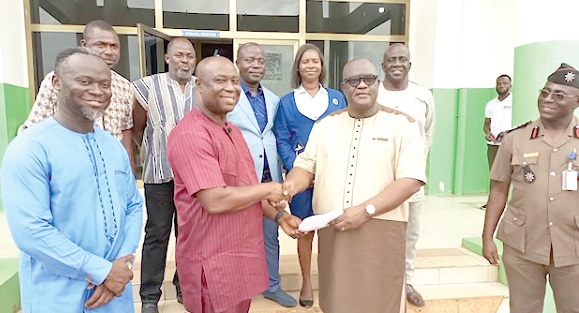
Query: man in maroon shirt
[218, 198]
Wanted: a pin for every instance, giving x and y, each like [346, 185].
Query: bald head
[359, 66]
[360, 86]
[217, 87]
[206, 69]
[179, 42]
[398, 47]
[180, 58]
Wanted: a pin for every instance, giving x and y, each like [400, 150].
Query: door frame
[278, 42]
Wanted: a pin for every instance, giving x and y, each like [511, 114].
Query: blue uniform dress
[292, 129]
[73, 207]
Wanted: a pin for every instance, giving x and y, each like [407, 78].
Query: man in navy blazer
[254, 115]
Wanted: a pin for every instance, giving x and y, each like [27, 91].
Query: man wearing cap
[539, 230]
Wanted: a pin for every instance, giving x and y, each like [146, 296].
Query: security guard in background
[540, 229]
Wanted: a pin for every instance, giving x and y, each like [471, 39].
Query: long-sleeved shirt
[73, 207]
[418, 102]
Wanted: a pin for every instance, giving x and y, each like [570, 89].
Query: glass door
[279, 59]
[152, 48]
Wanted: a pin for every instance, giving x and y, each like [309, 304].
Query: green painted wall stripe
[14, 109]
[441, 159]
[471, 174]
[457, 157]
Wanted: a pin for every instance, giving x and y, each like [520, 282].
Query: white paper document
[319, 221]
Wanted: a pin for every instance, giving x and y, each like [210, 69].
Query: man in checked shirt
[101, 39]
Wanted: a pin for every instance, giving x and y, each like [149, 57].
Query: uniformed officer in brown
[539, 230]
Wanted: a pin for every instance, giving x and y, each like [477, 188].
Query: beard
[184, 75]
[92, 114]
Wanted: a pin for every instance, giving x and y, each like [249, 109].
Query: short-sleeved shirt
[166, 104]
[355, 159]
[227, 248]
[417, 102]
[118, 116]
[500, 114]
[540, 215]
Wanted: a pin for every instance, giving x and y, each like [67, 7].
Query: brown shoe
[413, 296]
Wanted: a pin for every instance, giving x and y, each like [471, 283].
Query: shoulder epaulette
[502, 134]
[518, 127]
[394, 111]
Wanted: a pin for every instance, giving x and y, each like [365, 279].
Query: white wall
[422, 38]
[488, 45]
[532, 29]
[13, 59]
[473, 42]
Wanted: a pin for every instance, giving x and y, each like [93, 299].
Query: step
[452, 266]
[461, 298]
[449, 298]
[433, 267]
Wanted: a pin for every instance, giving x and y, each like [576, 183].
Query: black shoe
[179, 294]
[306, 303]
[413, 296]
[149, 307]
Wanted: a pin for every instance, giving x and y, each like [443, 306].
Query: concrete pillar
[545, 37]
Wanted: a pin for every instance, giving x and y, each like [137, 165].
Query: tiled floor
[445, 221]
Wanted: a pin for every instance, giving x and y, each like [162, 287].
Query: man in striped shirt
[161, 101]
[220, 248]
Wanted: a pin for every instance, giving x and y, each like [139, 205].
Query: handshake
[280, 194]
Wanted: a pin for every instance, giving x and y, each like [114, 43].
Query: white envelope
[319, 221]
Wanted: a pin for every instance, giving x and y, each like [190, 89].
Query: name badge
[569, 176]
[569, 180]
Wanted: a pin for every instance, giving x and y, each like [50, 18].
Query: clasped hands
[114, 285]
[279, 197]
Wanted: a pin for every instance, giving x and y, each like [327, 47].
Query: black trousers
[161, 214]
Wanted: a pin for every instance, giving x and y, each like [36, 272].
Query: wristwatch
[370, 209]
[278, 216]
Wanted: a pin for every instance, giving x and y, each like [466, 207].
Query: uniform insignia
[299, 147]
[528, 174]
[569, 77]
[335, 101]
[529, 177]
[576, 131]
[535, 132]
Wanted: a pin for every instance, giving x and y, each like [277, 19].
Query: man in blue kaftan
[71, 200]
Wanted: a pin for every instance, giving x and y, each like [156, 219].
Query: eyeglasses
[356, 80]
[544, 93]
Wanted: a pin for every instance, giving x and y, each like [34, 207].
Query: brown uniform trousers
[540, 228]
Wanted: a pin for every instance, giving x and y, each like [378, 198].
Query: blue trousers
[271, 243]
